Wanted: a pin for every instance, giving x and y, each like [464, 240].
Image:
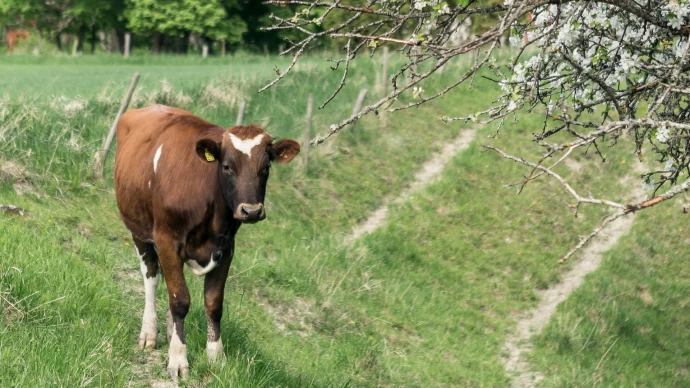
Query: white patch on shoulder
[156, 157]
[245, 146]
[199, 270]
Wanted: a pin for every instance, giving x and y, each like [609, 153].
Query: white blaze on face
[214, 350]
[245, 146]
[177, 354]
[149, 323]
[156, 157]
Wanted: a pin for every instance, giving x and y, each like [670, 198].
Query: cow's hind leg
[149, 270]
[178, 304]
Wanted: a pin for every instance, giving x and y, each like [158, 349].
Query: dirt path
[518, 344]
[426, 175]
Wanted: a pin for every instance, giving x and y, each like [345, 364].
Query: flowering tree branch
[595, 70]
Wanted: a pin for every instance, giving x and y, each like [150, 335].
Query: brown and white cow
[184, 186]
[12, 38]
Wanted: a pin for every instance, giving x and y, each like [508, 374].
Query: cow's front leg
[178, 297]
[214, 286]
[149, 270]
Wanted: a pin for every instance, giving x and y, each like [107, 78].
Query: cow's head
[244, 157]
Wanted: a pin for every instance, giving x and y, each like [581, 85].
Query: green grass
[49, 77]
[426, 300]
[627, 326]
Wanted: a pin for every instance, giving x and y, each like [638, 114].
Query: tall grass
[424, 301]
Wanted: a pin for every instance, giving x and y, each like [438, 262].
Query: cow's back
[157, 170]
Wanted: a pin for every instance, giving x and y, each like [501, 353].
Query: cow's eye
[226, 168]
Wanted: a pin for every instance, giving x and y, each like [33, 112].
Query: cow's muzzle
[250, 213]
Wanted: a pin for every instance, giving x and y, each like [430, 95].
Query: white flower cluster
[676, 12]
[599, 57]
[662, 134]
[591, 48]
[421, 4]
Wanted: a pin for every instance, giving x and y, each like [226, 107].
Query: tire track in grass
[518, 344]
[426, 175]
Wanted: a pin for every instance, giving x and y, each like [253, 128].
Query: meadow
[425, 300]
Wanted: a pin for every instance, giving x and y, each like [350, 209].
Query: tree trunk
[185, 43]
[207, 44]
[157, 43]
[81, 37]
[182, 44]
[58, 41]
[93, 39]
[39, 46]
[128, 43]
[103, 38]
[119, 40]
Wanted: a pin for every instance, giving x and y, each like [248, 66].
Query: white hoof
[147, 340]
[177, 358]
[214, 351]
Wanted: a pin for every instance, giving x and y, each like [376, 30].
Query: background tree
[595, 70]
[177, 19]
[88, 16]
[256, 16]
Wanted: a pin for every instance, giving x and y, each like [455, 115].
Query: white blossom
[669, 165]
[419, 4]
[648, 185]
[514, 40]
[662, 134]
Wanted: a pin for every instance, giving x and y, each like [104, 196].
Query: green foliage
[177, 17]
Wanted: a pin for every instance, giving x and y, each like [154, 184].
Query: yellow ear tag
[209, 156]
[282, 154]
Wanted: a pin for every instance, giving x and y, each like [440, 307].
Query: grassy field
[49, 77]
[426, 300]
[628, 325]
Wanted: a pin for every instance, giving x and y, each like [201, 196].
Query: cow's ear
[284, 151]
[208, 150]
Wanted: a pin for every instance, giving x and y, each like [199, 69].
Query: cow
[184, 187]
[13, 36]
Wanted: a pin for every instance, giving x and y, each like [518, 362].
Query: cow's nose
[250, 213]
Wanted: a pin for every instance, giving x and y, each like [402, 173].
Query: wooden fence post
[240, 114]
[360, 102]
[100, 155]
[384, 77]
[128, 43]
[307, 132]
